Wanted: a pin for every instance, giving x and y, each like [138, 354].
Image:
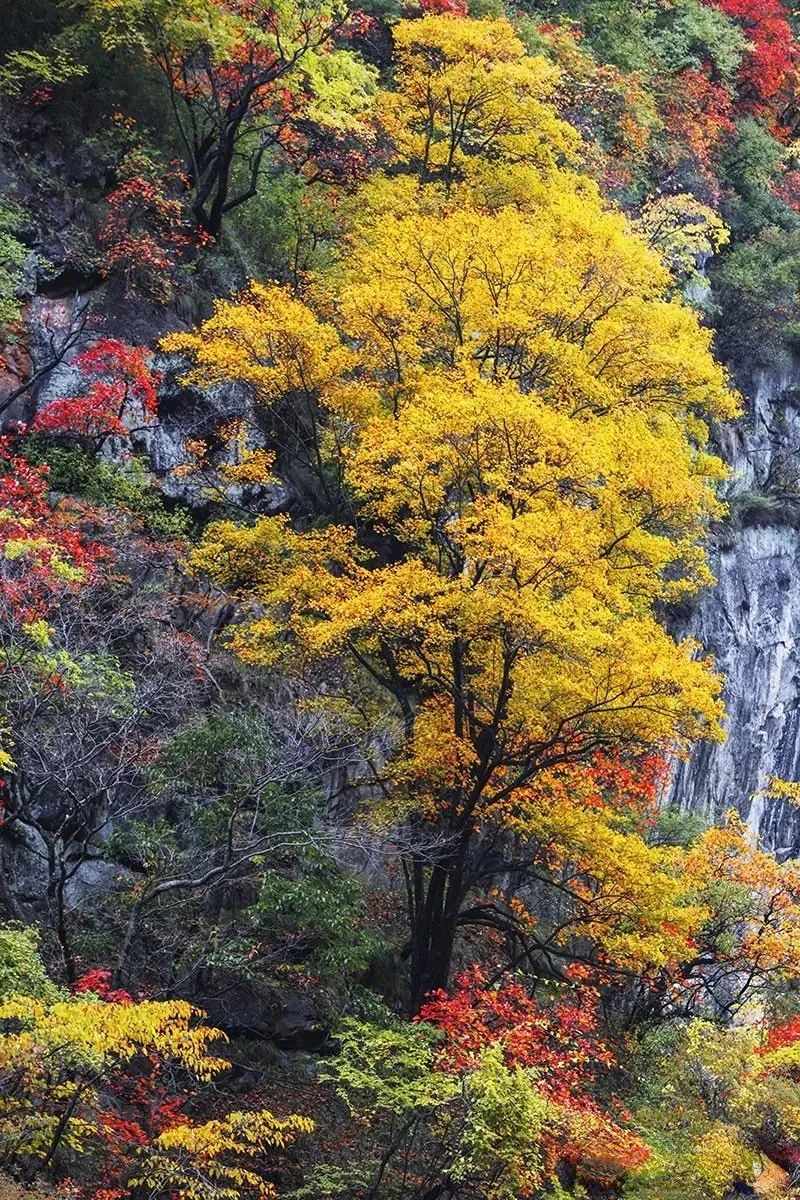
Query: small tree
[236, 74]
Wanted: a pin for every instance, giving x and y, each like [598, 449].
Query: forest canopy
[364, 377]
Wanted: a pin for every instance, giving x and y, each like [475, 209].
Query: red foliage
[335, 162]
[787, 189]
[249, 72]
[144, 1107]
[120, 1132]
[453, 8]
[774, 57]
[120, 383]
[560, 1041]
[360, 24]
[42, 552]
[145, 233]
[782, 1035]
[98, 981]
[141, 1105]
[251, 75]
[626, 782]
[39, 97]
[698, 116]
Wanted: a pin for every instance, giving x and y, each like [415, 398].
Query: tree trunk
[433, 931]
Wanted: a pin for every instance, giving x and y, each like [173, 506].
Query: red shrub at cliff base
[98, 981]
[560, 1041]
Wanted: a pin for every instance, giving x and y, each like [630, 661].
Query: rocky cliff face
[750, 621]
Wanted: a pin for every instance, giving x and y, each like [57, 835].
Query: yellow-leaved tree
[466, 90]
[517, 410]
[217, 1160]
[69, 1063]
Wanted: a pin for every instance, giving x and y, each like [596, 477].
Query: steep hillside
[398, 605]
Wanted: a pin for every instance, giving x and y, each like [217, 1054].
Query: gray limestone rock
[750, 622]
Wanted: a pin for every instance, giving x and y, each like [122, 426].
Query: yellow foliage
[682, 230]
[756, 899]
[94, 1033]
[214, 1161]
[626, 896]
[468, 89]
[721, 1157]
[518, 412]
[266, 339]
[561, 299]
[54, 1057]
[57, 1053]
[783, 789]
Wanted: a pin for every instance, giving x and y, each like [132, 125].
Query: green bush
[13, 257]
[76, 472]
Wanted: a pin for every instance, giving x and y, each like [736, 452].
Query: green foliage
[342, 87]
[103, 680]
[384, 10]
[128, 486]
[388, 1069]
[308, 913]
[13, 257]
[221, 751]
[674, 827]
[327, 1180]
[756, 288]
[503, 1131]
[322, 914]
[143, 844]
[648, 36]
[89, 680]
[749, 167]
[486, 8]
[619, 31]
[767, 507]
[20, 67]
[22, 971]
[485, 1128]
[690, 1105]
[697, 34]
[286, 229]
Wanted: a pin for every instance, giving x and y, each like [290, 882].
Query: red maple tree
[120, 389]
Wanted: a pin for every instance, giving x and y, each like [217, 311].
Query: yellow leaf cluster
[57, 1052]
[683, 231]
[95, 1033]
[266, 339]
[755, 899]
[626, 896]
[468, 89]
[783, 789]
[214, 1161]
[721, 1156]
